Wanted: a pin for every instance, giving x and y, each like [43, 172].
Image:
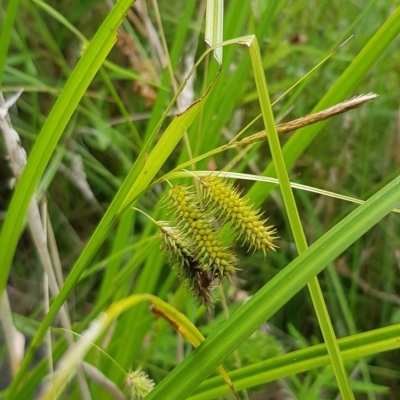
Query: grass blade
[214, 26]
[352, 347]
[52, 130]
[295, 223]
[5, 37]
[349, 80]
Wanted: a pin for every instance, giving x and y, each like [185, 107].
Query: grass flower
[229, 204]
[139, 384]
[209, 251]
[178, 249]
[180, 252]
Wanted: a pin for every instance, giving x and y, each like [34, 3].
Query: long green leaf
[295, 362]
[214, 26]
[5, 35]
[277, 292]
[141, 174]
[56, 122]
[295, 223]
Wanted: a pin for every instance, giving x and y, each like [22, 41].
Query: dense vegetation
[101, 138]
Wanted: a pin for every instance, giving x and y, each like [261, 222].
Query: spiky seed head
[181, 253]
[176, 246]
[234, 207]
[201, 284]
[210, 251]
[139, 384]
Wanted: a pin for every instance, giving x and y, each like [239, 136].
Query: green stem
[5, 36]
[295, 223]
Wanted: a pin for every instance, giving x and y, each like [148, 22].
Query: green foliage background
[109, 132]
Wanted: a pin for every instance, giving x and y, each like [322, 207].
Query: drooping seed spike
[234, 207]
[202, 285]
[177, 248]
[180, 252]
[211, 253]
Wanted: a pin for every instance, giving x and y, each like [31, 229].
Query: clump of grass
[231, 205]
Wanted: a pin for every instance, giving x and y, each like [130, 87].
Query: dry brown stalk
[291, 126]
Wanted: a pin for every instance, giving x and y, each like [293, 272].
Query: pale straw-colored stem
[291, 126]
[18, 159]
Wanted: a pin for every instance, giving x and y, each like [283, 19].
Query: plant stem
[295, 223]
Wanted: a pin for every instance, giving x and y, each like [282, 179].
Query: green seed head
[139, 385]
[196, 224]
[177, 248]
[181, 253]
[230, 205]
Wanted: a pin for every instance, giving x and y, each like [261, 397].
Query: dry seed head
[180, 253]
[232, 206]
[202, 283]
[210, 252]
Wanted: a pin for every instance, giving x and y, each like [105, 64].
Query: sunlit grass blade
[5, 36]
[214, 26]
[265, 179]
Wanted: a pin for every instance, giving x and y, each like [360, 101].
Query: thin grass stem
[295, 223]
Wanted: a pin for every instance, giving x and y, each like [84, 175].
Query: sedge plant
[214, 231]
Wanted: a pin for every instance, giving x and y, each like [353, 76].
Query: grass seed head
[180, 252]
[201, 284]
[229, 204]
[139, 384]
[210, 252]
[177, 248]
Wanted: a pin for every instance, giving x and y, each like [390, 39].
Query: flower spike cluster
[180, 253]
[230, 205]
[208, 249]
[138, 384]
[194, 243]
